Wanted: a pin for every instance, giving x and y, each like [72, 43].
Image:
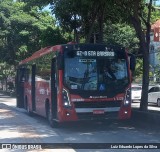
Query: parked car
[154, 95]
[136, 93]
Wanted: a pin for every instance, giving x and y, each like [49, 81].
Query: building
[154, 55]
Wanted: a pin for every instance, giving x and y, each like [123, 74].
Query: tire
[158, 102]
[52, 123]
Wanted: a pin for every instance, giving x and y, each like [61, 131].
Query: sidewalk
[17, 128]
[10, 101]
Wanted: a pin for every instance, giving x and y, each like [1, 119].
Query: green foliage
[121, 34]
[6, 71]
[138, 73]
[52, 36]
[24, 28]
[155, 15]
[83, 17]
[32, 3]
[24, 31]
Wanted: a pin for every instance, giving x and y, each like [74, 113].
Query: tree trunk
[101, 22]
[91, 26]
[145, 50]
[90, 32]
[76, 38]
[145, 81]
[144, 99]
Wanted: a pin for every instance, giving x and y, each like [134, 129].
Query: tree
[6, 71]
[122, 34]
[83, 17]
[88, 17]
[138, 71]
[134, 11]
[24, 31]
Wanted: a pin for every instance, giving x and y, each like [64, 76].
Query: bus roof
[40, 53]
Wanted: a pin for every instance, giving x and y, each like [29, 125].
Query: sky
[47, 8]
[157, 2]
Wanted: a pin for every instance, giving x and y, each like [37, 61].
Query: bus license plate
[97, 112]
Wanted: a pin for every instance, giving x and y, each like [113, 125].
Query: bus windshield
[95, 73]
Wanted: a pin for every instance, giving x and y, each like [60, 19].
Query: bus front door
[33, 83]
[54, 89]
[20, 79]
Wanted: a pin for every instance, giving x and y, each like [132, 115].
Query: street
[17, 127]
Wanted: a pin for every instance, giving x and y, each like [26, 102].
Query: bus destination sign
[96, 53]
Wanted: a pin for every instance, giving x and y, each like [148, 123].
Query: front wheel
[158, 102]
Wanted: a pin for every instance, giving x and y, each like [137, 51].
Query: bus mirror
[132, 62]
[60, 63]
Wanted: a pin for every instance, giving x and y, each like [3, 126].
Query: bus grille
[97, 104]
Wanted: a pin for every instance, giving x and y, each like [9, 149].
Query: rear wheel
[158, 102]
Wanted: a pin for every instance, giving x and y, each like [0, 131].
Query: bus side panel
[42, 93]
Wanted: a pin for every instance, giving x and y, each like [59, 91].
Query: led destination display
[95, 53]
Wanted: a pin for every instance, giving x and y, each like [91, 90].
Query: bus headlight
[127, 99]
[66, 101]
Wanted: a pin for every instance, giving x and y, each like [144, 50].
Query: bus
[74, 82]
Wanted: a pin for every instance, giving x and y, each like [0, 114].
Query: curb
[146, 116]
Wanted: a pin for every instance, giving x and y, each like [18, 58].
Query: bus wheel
[52, 122]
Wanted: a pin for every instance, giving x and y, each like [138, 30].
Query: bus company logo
[78, 99]
[95, 97]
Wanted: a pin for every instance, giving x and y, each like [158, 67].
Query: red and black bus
[73, 82]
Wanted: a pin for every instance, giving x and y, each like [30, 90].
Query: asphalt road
[17, 127]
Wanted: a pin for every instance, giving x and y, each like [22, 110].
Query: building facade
[154, 56]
